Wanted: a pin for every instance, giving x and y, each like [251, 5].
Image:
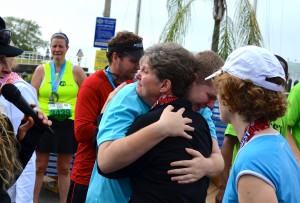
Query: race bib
[60, 111]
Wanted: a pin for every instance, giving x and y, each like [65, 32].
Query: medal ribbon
[55, 82]
[252, 129]
[109, 76]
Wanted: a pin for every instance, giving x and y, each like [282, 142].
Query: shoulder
[295, 92]
[40, 68]
[297, 86]
[27, 91]
[127, 93]
[21, 84]
[230, 130]
[77, 69]
[79, 75]
[95, 78]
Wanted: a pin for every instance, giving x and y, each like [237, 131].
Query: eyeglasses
[5, 37]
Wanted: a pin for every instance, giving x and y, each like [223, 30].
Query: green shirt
[293, 113]
[67, 89]
[231, 132]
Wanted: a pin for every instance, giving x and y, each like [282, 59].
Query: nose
[138, 75]
[6, 67]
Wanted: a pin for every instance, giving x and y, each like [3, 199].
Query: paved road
[47, 196]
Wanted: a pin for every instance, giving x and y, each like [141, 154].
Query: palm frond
[248, 32]
[226, 40]
[179, 12]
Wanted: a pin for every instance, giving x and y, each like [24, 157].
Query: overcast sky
[278, 20]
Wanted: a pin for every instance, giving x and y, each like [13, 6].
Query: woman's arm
[194, 169]
[252, 189]
[79, 75]
[113, 155]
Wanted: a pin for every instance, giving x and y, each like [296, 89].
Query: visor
[10, 51]
[133, 49]
[136, 54]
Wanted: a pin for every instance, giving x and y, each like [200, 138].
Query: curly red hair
[249, 100]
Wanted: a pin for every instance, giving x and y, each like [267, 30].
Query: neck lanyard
[252, 129]
[110, 77]
[55, 83]
[164, 99]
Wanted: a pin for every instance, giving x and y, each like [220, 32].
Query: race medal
[59, 111]
[53, 97]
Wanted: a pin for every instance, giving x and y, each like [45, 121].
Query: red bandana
[164, 99]
[252, 129]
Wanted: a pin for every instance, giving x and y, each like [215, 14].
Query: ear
[115, 55]
[196, 78]
[166, 86]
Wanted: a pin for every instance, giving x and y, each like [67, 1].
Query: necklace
[252, 129]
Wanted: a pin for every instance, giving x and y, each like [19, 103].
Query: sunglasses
[5, 37]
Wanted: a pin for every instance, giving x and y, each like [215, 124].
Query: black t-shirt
[149, 179]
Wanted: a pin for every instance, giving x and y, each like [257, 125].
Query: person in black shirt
[166, 75]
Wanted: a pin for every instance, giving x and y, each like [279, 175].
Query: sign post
[100, 60]
[105, 30]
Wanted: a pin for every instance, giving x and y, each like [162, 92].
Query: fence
[35, 58]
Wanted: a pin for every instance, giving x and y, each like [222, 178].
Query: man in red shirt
[123, 54]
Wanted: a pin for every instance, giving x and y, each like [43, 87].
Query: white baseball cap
[255, 64]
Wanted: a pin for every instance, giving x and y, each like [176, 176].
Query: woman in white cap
[250, 91]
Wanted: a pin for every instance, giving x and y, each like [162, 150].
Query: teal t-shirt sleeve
[230, 130]
[206, 113]
[120, 113]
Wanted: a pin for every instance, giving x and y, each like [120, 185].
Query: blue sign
[105, 30]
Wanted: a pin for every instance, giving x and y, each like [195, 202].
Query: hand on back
[173, 124]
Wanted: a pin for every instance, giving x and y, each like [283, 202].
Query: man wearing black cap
[123, 54]
[22, 190]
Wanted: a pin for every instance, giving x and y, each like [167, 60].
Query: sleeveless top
[67, 89]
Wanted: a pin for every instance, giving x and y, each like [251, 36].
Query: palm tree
[227, 34]
[218, 14]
